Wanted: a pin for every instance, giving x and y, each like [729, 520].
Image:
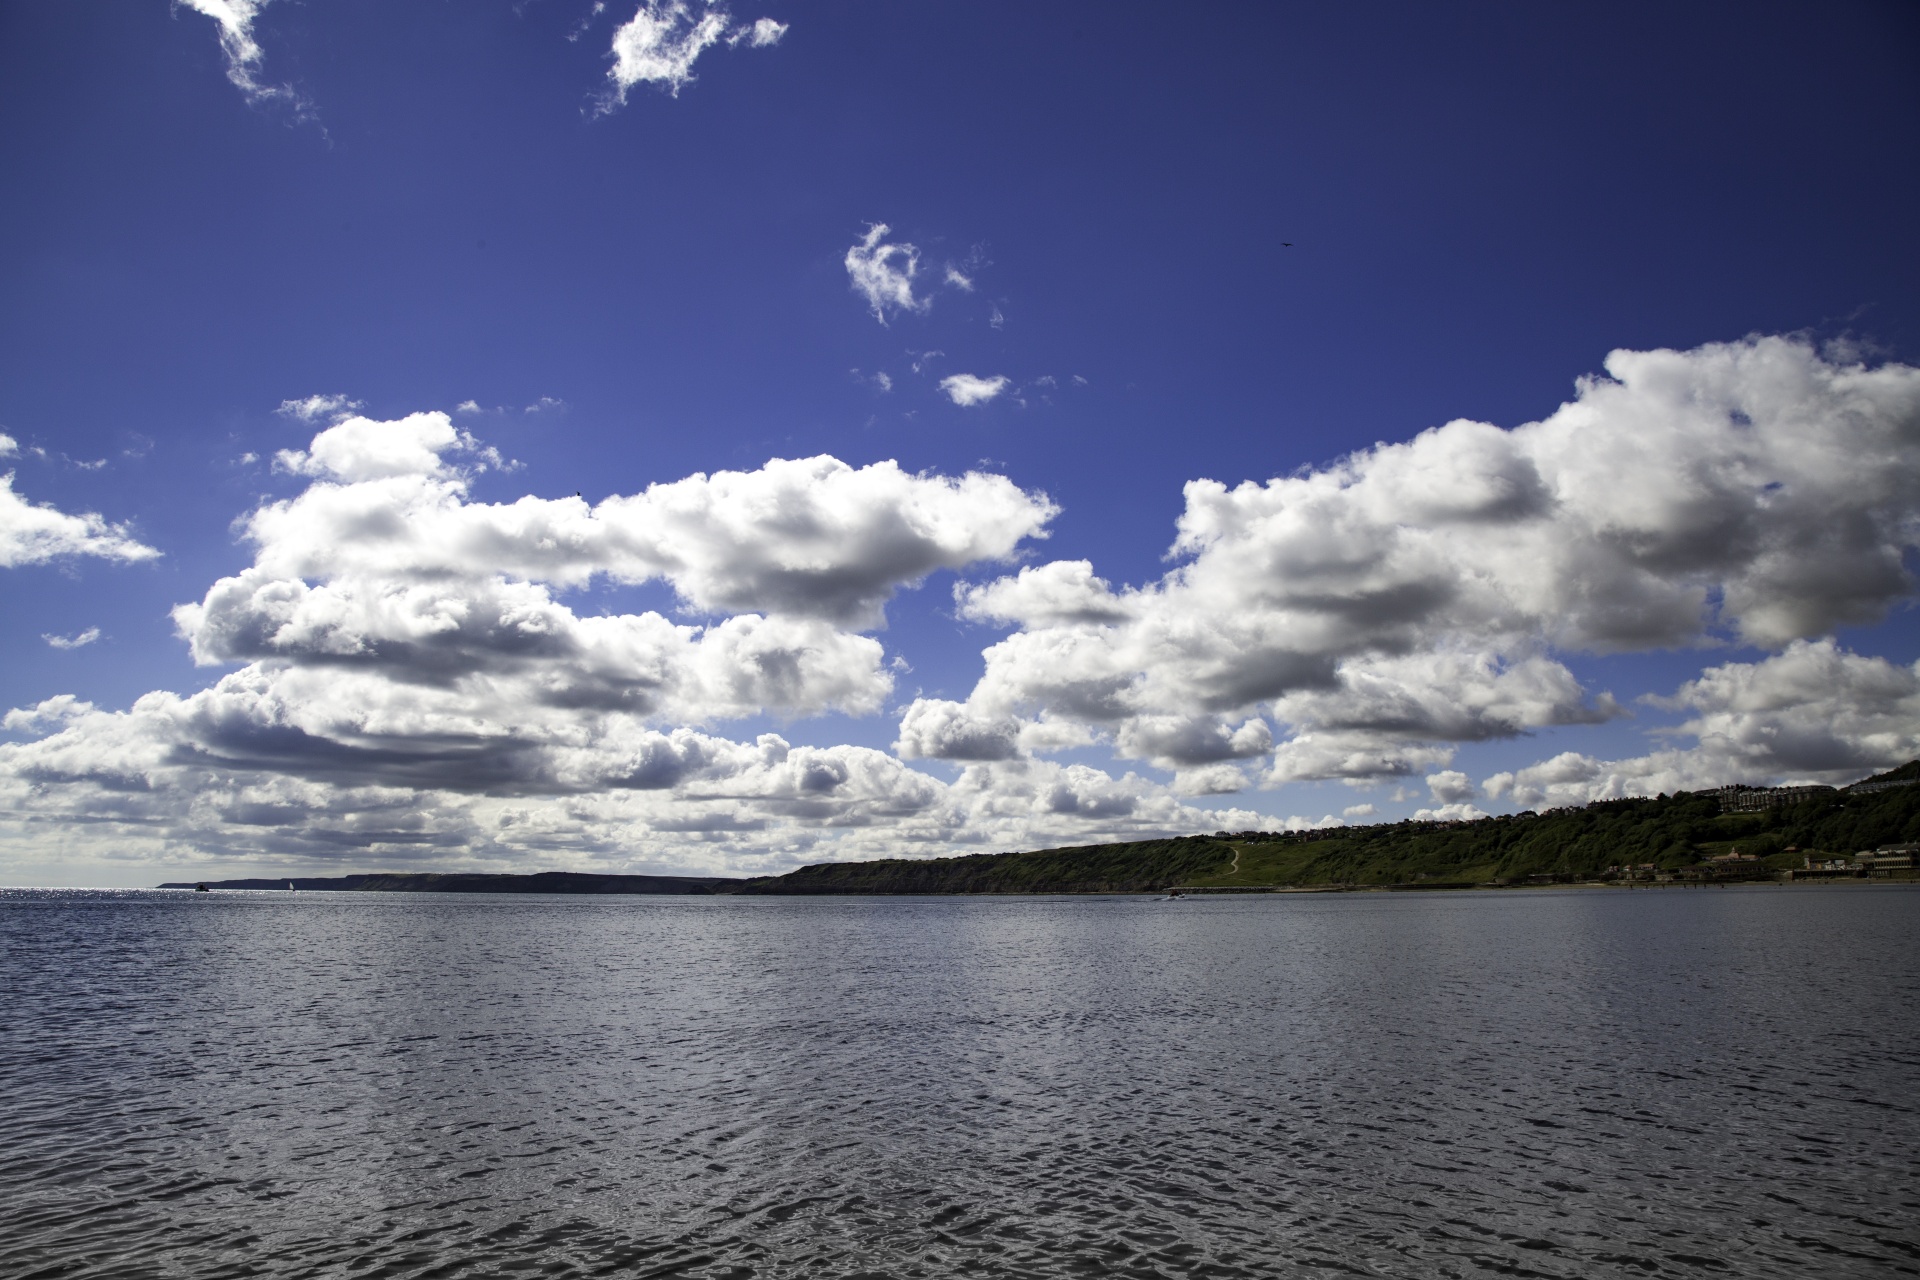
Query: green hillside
[1100, 868]
[1564, 844]
[1667, 831]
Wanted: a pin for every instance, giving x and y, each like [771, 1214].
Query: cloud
[78, 641]
[356, 449]
[933, 729]
[411, 684]
[884, 273]
[316, 408]
[410, 678]
[48, 714]
[8, 445]
[1359, 811]
[35, 533]
[1448, 813]
[959, 279]
[965, 389]
[664, 38]
[1814, 712]
[226, 773]
[807, 537]
[243, 53]
[1412, 596]
[659, 45]
[764, 33]
[1058, 593]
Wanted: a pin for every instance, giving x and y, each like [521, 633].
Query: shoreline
[214, 887]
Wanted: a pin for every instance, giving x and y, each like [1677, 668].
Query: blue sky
[1235, 245]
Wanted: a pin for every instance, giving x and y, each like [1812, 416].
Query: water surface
[1553, 1083]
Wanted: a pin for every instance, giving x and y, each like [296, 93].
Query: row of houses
[1735, 866]
[1725, 868]
[1883, 862]
[1740, 798]
[1743, 799]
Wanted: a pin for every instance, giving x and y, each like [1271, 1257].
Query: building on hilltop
[1872, 785]
[1744, 799]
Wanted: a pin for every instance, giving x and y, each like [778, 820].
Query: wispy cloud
[316, 409]
[762, 34]
[78, 641]
[966, 389]
[884, 273]
[664, 38]
[243, 52]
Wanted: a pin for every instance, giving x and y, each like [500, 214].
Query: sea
[1566, 1083]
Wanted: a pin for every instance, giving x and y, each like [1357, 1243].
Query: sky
[715, 438]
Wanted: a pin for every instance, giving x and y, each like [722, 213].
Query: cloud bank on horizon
[409, 679]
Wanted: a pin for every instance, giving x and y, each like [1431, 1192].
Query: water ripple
[1551, 1084]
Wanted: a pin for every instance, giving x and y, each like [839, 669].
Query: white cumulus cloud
[1814, 712]
[664, 38]
[408, 682]
[967, 389]
[934, 729]
[1412, 596]
[33, 533]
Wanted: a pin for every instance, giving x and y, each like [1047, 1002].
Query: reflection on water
[1550, 1084]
